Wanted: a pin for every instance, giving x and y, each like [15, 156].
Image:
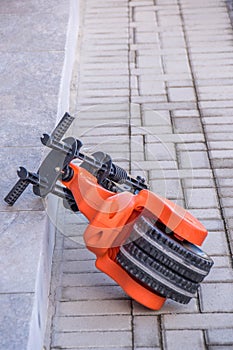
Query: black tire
[181, 257]
[155, 276]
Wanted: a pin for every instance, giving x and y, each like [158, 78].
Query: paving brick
[222, 261]
[186, 339]
[146, 332]
[221, 336]
[180, 83]
[90, 323]
[206, 198]
[156, 118]
[218, 136]
[182, 125]
[181, 94]
[94, 307]
[194, 159]
[169, 42]
[148, 99]
[92, 339]
[198, 321]
[167, 188]
[152, 129]
[185, 113]
[220, 275]
[160, 151]
[177, 138]
[77, 254]
[172, 20]
[144, 16]
[92, 293]
[202, 214]
[151, 87]
[86, 279]
[216, 297]
[149, 61]
[222, 163]
[189, 147]
[177, 66]
[213, 224]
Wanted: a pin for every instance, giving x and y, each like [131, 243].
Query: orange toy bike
[146, 243]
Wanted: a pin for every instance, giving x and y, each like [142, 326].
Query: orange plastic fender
[111, 217]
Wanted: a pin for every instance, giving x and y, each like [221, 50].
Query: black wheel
[154, 275]
[182, 257]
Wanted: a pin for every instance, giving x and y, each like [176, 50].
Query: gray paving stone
[170, 105]
[41, 75]
[181, 94]
[192, 339]
[183, 125]
[202, 214]
[177, 66]
[167, 188]
[92, 293]
[189, 147]
[220, 336]
[19, 28]
[77, 254]
[156, 118]
[198, 321]
[222, 163]
[186, 113]
[213, 225]
[152, 130]
[222, 261]
[216, 297]
[194, 159]
[206, 198]
[160, 151]
[220, 275]
[19, 250]
[146, 332]
[86, 279]
[94, 307]
[218, 136]
[14, 320]
[93, 339]
[29, 127]
[90, 323]
[151, 87]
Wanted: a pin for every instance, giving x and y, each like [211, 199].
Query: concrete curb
[39, 314]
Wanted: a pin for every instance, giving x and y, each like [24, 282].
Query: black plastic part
[118, 174]
[155, 276]
[16, 192]
[69, 201]
[67, 173]
[180, 256]
[52, 167]
[26, 178]
[62, 127]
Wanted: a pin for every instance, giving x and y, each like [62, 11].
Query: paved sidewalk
[159, 77]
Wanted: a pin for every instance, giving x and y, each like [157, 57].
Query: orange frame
[111, 216]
